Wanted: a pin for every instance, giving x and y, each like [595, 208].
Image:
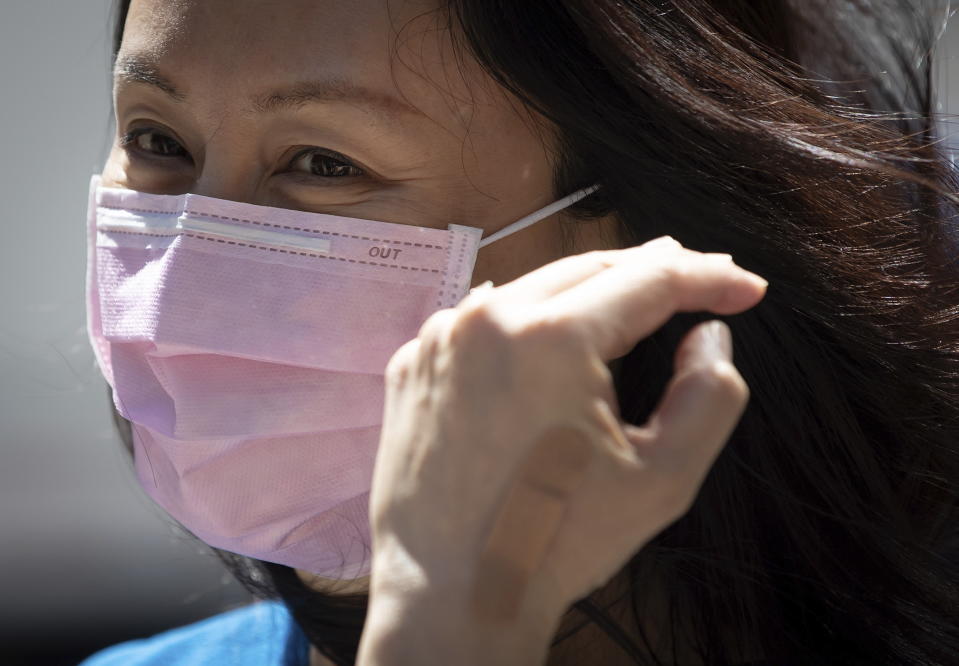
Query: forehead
[250, 29]
[400, 47]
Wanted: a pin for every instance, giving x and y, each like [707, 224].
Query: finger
[699, 410]
[556, 276]
[625, 303]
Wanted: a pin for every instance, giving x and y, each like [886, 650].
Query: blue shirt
[260, 634]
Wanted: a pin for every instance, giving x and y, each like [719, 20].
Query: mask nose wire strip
[538, 215]
[161, 225]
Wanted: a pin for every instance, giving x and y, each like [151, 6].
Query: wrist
[441, 631]
[420, 616]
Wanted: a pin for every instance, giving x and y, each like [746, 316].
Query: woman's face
[360, 108]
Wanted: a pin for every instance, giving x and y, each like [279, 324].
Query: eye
[324, 163]
[149, 141]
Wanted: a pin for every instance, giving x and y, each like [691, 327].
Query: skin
[309, 108]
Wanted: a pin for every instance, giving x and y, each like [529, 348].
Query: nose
[227, 173]
[221, 185]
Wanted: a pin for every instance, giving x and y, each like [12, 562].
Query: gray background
[87, 559]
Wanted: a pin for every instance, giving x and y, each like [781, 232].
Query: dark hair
[798, 136]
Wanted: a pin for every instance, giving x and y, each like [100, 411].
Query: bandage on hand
[529, 517]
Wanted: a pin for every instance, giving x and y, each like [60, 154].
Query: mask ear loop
[538, 215]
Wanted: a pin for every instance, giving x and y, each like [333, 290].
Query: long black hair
[797, 135]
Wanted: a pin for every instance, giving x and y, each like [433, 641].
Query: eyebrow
[134, 68]
[331, 90]
[137, 69]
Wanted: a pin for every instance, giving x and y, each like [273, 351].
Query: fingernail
[719, 257]
[484, 286]
[663, 240]
[758, 281]
[720, 338]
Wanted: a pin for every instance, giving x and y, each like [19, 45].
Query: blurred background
[87, 559]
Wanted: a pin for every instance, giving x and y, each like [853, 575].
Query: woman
[515, 515]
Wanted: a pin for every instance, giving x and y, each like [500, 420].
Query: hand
[506, 487]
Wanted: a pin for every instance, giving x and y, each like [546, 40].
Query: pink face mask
[247, 346]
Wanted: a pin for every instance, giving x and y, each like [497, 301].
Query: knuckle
[677, 270]
[398, 367]
[663, 242]
[476, 321]
[686, 483]
[726, 379]
[676, 497]
[672, 275]
[719, 376]
[553, 330]
[600, 258]
[436, 323]
[683, 501]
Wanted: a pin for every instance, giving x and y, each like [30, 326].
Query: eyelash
[337, 166]
[341, 163]
[129, 142]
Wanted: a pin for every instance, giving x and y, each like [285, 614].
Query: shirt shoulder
[260, 634]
